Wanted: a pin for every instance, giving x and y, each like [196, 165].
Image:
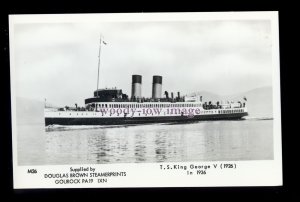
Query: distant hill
[29, 111]
[259, 100]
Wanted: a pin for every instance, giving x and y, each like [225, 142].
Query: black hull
[139, 120]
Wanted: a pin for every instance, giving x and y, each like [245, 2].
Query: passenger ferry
[112, 107]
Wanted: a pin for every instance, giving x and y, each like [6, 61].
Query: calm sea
[200, 141]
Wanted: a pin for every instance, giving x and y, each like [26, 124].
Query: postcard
[145, 100]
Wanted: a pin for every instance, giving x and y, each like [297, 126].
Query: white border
[248, 173]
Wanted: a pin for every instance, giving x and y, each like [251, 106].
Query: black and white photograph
[145, 100]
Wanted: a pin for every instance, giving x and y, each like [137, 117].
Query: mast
[99, 63]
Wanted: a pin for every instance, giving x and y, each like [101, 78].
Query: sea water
[199, 141]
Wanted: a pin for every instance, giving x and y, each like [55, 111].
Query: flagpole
[99, 64]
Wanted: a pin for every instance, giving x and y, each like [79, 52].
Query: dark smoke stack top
[157, 79]
[156, 87]
[136, 79]
[136, 87]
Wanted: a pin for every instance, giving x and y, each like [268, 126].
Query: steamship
[112, 107]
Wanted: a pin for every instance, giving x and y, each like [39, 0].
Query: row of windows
[208, 112]
[231, 111]
[146, 105]
[202, 112]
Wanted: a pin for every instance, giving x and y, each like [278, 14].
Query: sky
[58, 61]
